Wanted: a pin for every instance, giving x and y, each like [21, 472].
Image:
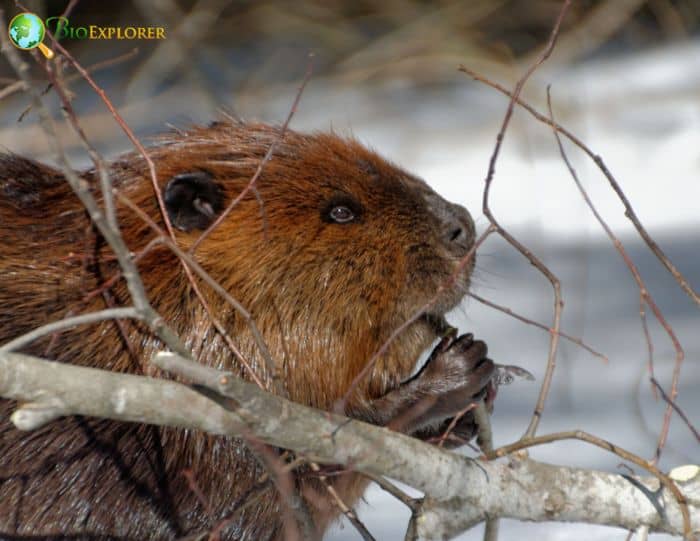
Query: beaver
[335, 251]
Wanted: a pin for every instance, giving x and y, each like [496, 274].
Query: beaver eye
[341, 209]
[342, 214]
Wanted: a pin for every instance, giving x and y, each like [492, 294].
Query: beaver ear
[193, 200]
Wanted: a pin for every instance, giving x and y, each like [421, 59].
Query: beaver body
[337, 250]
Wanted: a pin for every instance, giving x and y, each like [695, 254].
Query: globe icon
[27, 32]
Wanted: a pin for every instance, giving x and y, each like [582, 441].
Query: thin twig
[644, 294]
[349, 513]
[95, 157]
[250, 499]
[556, 286]
[102, 289]
[191, 263]
[296, 517]
[125, 128]
[629, 211]
[453, 423]
[110, 302]
[67, 323]
[542, 326]
[11, 89]
[648, 340]
[16, 86]
[675, 406]
[188, 474]
[69, 8]
[396, 492]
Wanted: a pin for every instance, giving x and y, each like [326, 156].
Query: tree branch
[69, 322]
[460, 492]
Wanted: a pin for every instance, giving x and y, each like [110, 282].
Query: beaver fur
[339, 249]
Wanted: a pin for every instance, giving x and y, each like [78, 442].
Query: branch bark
[460, 492]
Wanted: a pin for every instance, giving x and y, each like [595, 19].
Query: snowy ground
[642, 115]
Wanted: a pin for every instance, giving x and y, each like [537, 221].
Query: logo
[63, 30]
[27, 32]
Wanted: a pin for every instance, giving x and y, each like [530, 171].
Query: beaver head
[337, 248]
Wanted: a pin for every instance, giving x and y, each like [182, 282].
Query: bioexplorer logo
[27, 31]
[61, 28]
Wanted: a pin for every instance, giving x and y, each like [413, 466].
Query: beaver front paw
[456, 377]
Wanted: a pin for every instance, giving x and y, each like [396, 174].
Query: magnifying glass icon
[27, 32]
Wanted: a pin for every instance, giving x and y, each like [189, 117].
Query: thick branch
[461, 492]
[533, 491]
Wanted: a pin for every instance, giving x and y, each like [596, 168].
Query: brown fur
[324, 295]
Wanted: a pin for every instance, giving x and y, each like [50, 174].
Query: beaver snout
[455, 223]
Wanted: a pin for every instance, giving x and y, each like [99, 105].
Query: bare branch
[349, 513]
[556, 286]
[461, 492]
[629, 210]
[67, 323]
[619, 451]
[16, 86]
[644, 294]
[534, 323]
[679, 411]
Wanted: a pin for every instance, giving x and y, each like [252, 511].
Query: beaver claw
[456, 377]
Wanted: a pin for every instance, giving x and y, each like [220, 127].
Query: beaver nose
[458, 230]
[455, 222]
